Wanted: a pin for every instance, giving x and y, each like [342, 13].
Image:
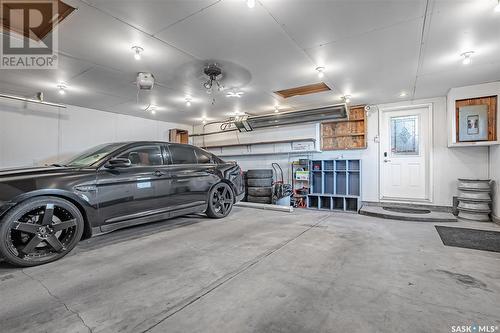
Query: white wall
[448, 164]
[35, 134]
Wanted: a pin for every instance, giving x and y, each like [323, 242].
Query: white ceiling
[371, 50]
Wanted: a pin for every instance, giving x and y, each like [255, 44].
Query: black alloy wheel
[40, 230]
[221, 200]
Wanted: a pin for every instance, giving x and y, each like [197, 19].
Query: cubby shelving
[335, 185]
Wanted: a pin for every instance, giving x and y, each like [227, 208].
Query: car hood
[19, 173]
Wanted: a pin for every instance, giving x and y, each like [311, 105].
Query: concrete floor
[258, 271]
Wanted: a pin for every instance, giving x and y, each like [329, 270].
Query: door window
[404, 135]
[144, 155]
[182, 154]
[203, 157]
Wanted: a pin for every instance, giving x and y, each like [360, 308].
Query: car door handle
[158, 173]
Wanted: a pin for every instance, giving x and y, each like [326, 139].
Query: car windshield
[92, 156]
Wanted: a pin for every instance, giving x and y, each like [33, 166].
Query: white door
[405, 142]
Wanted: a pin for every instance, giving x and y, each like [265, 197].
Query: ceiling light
[188, 101]
[62, 88]
[497, 7]
[251, 3]
[346, 98]
[204, 121]
[467, 57]
[403, 94]
[235, 93]
[320, 70]
[276, 109]
[137, 52]
[151, 108]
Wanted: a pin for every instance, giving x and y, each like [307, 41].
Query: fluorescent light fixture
[321, 71]
[137, 52]
[251, 3]
[467, 57]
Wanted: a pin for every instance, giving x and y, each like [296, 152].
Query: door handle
[158, 173]
[386, 160]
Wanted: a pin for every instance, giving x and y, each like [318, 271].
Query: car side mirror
[116, 163]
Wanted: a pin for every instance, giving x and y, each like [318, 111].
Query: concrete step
[415, 214]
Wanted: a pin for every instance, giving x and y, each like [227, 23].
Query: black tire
[261, 173]
[40, 230]
[260, 182]
[260, 191]
[220, 201]
[262, 200]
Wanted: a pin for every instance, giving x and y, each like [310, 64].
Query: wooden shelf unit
[345, 134]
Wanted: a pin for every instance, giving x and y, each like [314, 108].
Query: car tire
[260, 182]
[259, 173]
[40, 230]
[262, 200]
[220, 201]
[260, 191]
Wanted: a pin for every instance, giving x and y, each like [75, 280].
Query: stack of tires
[259, 186]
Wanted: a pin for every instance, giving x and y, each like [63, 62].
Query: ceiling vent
[304, 90]
[145, 81]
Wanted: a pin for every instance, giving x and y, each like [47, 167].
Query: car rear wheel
[220, 201]
[40, 230]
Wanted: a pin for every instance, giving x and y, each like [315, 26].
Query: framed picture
[473, 124]
[476, 119]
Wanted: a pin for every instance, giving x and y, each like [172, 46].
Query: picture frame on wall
[473, 123]
[476, 119]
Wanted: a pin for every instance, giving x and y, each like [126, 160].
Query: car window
[144, 155]
[182, 155]
[203, 157]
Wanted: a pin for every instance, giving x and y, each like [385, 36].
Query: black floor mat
[470, 238]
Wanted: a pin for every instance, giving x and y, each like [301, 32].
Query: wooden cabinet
[345, 134]
[179, 136]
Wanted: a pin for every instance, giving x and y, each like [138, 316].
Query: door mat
[484, 240]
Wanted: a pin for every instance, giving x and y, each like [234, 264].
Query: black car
[45, 211]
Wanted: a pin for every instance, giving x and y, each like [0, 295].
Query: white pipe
[30, 100]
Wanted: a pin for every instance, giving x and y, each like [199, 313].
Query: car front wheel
[220, 201]
[40, 230]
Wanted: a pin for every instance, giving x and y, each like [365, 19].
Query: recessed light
[62, 88]
[321, 71]
[403, 94]
[251, 3]
[467, 57]
[137, 52]
[235, 93]
[346, 98]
